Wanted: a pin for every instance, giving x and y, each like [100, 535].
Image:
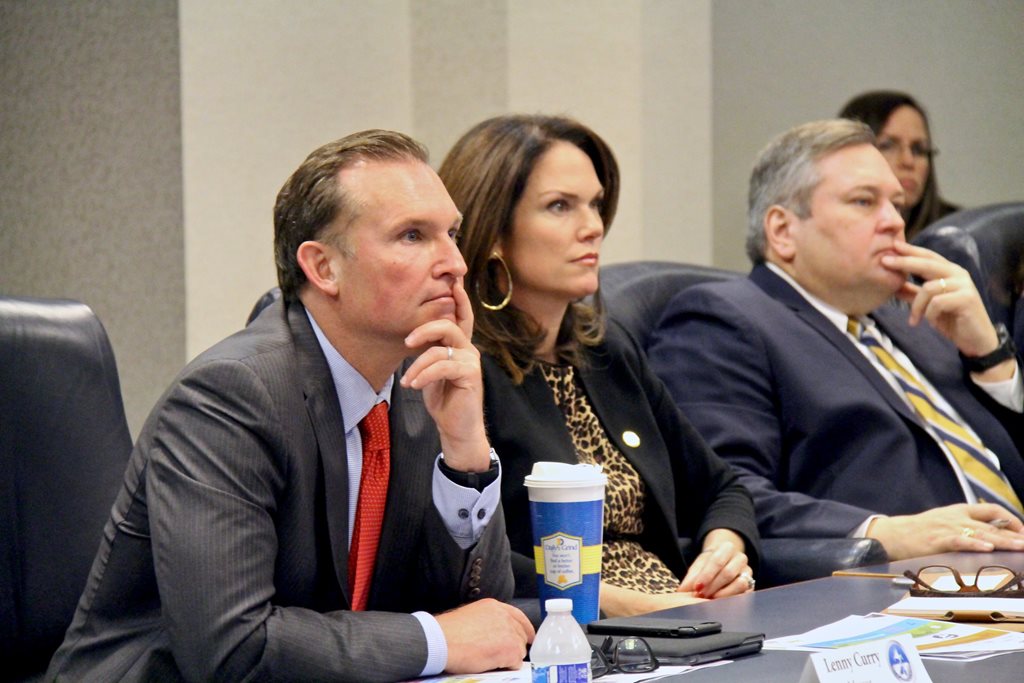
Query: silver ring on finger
[942, 284]
[750, 581]
[451, 353]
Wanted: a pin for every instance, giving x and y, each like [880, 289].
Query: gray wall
[264, 82]
[90, 182]
[144, 141]
[780, 63]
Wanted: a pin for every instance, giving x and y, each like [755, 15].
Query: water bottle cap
[558, 605]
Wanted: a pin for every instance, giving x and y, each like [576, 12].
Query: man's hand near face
[448, 372]
[949, 301]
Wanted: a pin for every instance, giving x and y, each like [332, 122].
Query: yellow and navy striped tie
[987, 482]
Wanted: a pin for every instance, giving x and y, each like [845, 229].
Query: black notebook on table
[692, 650]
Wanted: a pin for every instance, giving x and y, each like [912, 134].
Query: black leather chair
[269, 297]
[64, 445]
[989, 242]
[635, 294]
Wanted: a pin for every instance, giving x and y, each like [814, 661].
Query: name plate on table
[894, 660]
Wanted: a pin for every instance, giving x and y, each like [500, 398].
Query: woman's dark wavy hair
[874, 109]
[485, 173]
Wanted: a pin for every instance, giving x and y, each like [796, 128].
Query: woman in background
[537, 195]
[904, 138]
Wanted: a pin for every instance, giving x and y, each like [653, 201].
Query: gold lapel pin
[631, 438]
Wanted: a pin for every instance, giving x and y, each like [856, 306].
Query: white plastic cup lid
[564, 475]
[558, 604]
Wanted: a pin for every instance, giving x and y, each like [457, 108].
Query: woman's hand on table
[721, 569]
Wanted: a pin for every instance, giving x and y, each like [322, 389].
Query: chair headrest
[268, 297]
[989, 242]
[636, 293]
[64, 444]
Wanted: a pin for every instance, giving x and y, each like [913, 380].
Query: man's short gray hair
[786, 172]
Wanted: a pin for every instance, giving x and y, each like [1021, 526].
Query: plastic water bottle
[561, 651]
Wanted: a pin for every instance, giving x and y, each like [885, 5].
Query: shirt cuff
[1008, 393]
[465, 511]
[862, 530]
[437, 646]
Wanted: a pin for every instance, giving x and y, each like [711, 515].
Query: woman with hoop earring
[561, 383]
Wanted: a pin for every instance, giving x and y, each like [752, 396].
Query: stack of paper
[933, 639]
[1006, 610]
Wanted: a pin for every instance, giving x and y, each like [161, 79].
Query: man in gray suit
[227, 555]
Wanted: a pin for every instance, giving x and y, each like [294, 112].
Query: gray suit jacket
[226, 554]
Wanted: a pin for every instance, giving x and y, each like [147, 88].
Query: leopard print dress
[624, 562]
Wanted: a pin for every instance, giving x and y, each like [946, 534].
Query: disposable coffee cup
[567, 514]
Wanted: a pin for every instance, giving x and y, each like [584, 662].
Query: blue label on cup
[567, 553]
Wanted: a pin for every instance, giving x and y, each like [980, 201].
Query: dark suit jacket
[818, 436]
[226, 554]
[690, 491]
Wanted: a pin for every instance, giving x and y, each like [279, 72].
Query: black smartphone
[692, 651]
[725, 645]
[654, 627]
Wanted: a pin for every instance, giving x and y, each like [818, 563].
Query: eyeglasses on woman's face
[628, 655]
[943, 581]
[894, 149]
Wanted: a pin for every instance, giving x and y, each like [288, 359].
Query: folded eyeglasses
[628, 656]
[942, 581]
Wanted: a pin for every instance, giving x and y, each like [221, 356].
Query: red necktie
[373, 491]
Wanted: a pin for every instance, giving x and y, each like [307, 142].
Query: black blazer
[690, 491]
[817, 435]
[226, 554]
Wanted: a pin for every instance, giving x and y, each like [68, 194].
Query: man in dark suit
[813, 387]
[231, 552]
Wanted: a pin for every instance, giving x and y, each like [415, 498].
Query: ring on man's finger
[450, 353]
[942, 284]
[750, 580]
[967, 532]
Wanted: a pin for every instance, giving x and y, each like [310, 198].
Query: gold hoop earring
[508, 296]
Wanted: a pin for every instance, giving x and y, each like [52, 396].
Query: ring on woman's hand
[450, 353]
[942, 284]
[967, 532]
[750, 581]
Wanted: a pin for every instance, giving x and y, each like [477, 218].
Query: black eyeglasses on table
[628, 656]
[990, 581]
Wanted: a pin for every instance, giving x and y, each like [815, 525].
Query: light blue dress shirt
[464, 511]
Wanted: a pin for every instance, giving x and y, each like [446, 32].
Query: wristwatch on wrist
[1006, 350]
[472, 480]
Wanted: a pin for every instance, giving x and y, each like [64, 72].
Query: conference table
[796, 608]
